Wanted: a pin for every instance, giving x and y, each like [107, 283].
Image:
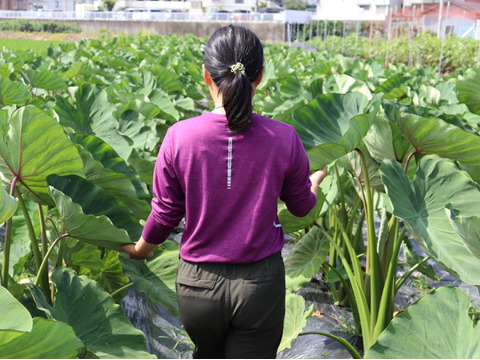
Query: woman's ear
[259, 79]
[206, 75]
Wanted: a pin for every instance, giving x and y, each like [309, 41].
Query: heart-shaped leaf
[92, 113]
[96, 201]
[295, 319]
[34, 147]
[332, 125]
[437, 326]
[468, 228]
[421, 202]
[435, 136]
[13, 93]
[47, 340]
[91, 312]
[305, 258]
[468, 90]
[156, 277]
[96, 230]
[44, 79]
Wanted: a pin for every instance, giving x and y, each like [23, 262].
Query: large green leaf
[111, 275]
[34, 147]
[44, 79]
[91, 312]
[394, 87]
[437, 326]
[96, 230]
[295, 319]
[305, 258]
[332, 125]
[421, 204]
[156, 276]
[117, 184]
[92, 113]
[468, 90]
[468, 228]
[435, 136]
[385, 140]
[8, 205]
[96, 201]
[105, 154]
[47, 340]
[14, 315]
[13, 93]
[343, 84]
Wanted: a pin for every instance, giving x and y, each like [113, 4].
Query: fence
[151, 15]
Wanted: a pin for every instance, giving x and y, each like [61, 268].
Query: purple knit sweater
[226, 186]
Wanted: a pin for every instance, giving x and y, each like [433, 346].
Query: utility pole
[439, 25]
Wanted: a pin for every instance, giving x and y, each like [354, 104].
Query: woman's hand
[140, 251]
[316, 178]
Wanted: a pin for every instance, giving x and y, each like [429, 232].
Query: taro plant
[75, 162]
[406, 162]
[79, 130]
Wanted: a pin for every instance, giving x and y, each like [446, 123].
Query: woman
[224, 171]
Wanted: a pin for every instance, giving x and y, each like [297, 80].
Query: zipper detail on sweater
[229, 163]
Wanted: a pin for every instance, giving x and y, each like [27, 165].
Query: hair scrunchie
[237, 67]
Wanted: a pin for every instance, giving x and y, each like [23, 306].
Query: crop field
[80, 126]
[39, 47]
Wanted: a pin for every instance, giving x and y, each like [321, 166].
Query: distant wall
[274, 32]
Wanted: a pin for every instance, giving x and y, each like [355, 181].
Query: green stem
[6, 253]
[373, 272]
[44, 263]
[8, 242]
[385, 311]
[351, 301]
[401, 280]
[356, 281]
[409, 158]
[43, 230]
[33, 240]
[349, 347]
[350, 250]
[121, 289]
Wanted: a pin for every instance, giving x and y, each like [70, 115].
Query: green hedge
[41, 26]
[423, 50]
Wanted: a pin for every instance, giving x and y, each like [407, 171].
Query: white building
[356, 10]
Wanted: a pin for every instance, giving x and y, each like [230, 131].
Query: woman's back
[231, 183]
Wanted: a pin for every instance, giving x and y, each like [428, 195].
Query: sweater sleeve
[296, 192]
[168, 204]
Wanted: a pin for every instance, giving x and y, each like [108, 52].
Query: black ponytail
[234, 60]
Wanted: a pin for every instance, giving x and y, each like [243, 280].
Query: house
[13, 5]
[355, 10]
[459, 18]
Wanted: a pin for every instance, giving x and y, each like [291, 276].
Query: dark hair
[228, 46]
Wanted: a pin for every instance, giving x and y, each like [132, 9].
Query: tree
[296, 4]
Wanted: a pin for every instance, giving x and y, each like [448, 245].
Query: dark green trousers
[233, 310]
